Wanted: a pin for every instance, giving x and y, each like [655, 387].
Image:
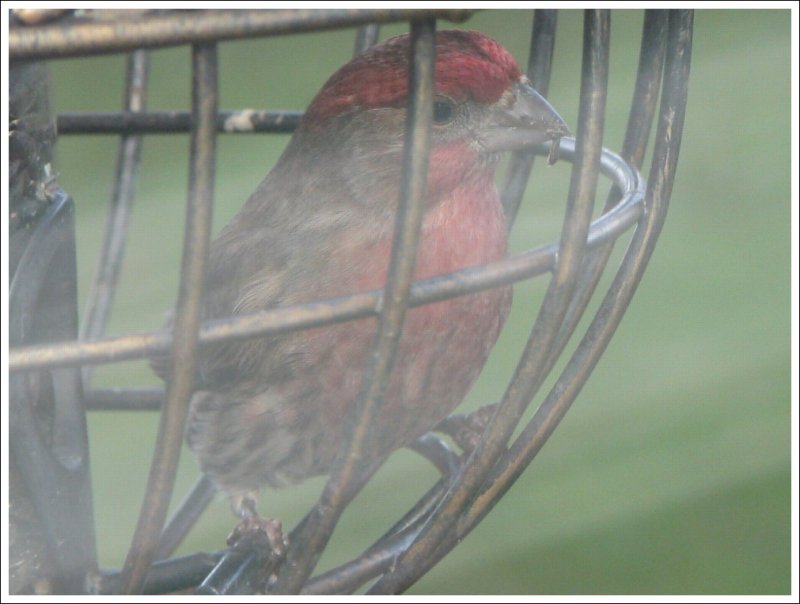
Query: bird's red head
[469, 66]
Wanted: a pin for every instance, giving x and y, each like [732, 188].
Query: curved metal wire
[104, 284]
[522, 266]
[237, 570]
[531, 369]
[453, 506]
[614, 304]
[170, 122]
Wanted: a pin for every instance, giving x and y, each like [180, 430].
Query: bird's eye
[443, 111]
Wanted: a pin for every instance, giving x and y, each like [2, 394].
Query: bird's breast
[444, 345]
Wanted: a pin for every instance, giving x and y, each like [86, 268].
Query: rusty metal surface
[155, 29]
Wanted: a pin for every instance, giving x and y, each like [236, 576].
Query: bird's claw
[264, 536]
[255, 528]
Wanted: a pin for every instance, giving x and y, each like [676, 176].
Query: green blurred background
[671, 473]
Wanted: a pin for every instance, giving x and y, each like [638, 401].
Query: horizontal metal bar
[162, 122]
[128, 399]
[80, 38]
[110, 259]
[516, 268]
[165, 576]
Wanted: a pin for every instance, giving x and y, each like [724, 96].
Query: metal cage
[53, 537]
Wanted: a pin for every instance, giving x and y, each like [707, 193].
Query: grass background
[671, 473]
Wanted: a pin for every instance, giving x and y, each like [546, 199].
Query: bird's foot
[263, 536]
[435, 449]
[271, 528]
[466, 429]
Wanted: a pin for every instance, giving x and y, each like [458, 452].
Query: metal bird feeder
[52, 532]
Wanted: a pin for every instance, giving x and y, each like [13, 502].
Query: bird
[270, 411]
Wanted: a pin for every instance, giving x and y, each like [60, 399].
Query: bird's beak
[528, 120]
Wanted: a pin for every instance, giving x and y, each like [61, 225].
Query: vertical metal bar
[540, 60]
[670, 124]
[648, 83]
[187, 320]
[355, 464]
[104, 285]
[366, 37]
[529, 373]
[640, 121]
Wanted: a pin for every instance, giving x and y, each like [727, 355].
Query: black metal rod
[354, 464]
[235, 572]
[104, 284]
[71, 39]
[531, 369]
[187, 322]
[165, 576]
[245, 121]
[377, 558]
[124, 399]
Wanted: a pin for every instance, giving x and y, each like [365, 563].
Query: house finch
[271, 411]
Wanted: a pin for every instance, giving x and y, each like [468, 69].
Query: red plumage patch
[469, 65]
